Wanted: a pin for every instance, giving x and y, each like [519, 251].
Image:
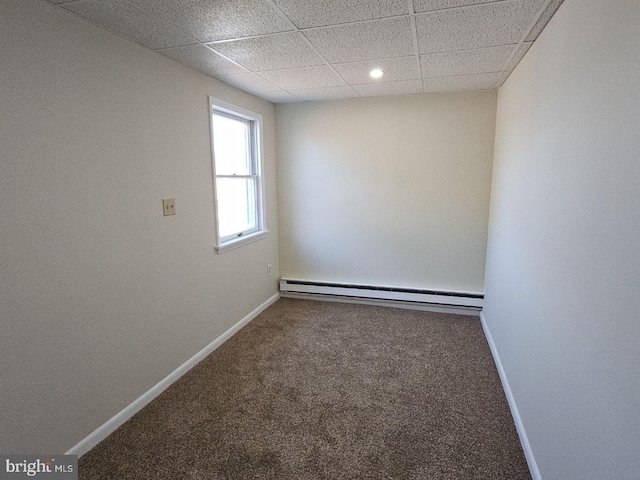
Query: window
[237, 175]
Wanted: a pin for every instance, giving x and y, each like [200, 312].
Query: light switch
[168, 206]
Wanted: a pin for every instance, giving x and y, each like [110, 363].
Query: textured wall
[391, 190]
[563, 264]
[100, 295]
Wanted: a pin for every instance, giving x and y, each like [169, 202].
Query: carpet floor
[320, 390]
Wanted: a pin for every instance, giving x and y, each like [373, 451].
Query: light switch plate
[168, 206]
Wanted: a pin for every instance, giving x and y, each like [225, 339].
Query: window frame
[254, 120]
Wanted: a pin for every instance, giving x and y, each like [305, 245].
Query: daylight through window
[237, 174]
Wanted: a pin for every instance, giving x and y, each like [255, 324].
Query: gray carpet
[319, 390]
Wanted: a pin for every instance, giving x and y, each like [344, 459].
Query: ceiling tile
[329, 93]
[273, 52]
[315, 13]
[484, 81]
[482, 60]
[303, 78]
[210, 20]
[522, 50]
[364, 41]
[544, 19]
[279, 96]
[403, 87]
[464, 44]
[401, 68]
[123, 18]
[202, 59]
[249, 82]
[430, 5]
[485, 25]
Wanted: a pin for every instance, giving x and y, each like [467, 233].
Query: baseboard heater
[295, 288]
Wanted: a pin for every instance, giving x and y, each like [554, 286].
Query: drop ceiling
[303, 50]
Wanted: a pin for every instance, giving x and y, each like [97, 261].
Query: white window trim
[224, 245]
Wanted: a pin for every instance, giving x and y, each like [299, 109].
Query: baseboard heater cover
[372, 292]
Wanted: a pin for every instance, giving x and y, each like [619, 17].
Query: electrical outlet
[168, 206]
[269, 270]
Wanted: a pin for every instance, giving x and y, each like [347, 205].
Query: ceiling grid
[414, 35]
[303, 50]
[513, 60]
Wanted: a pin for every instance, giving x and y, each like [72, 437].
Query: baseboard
[524, 440]
[386, 293]
[117, 420]
[458, 310]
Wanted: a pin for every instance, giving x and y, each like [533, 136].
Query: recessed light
[376, 73]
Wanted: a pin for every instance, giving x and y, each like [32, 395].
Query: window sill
[233, 244]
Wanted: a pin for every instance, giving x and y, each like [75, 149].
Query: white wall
[100, 295]
[563, 262]
[386, 191]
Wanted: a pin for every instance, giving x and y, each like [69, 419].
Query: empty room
[320, 239]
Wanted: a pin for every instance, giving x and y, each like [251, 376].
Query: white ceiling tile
[386, 38]
[273, 52]
[210, 20]
[303, 78]
[548, 13]
[522, 50]
[202, 59]
[482, 60]
[279, 96]
[328, 93]
[403, 87]
[430, 5]
[249, 82]
[485, 25]
[125, 19]
[315, 13]
[484, 81]
[460, 41]
[401, 68]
